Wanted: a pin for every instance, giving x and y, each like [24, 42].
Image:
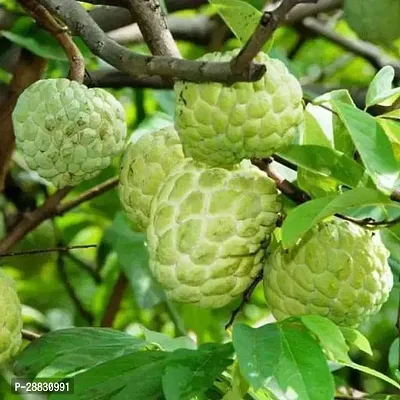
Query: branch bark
[80, 23]
[115, 301]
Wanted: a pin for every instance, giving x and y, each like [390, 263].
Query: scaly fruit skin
[338, 270]
[208, 231]
[66, 132]
[372, 20]
[10, 319]
[144, 166]
[222, 125]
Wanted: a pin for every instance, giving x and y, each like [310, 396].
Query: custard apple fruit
[145, 165]
[338, 270]
[10, 319]
[222, 125]
[66, 132]
[208, 230]
[376, 21]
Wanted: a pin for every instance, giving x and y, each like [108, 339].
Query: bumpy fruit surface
[222, 125]
[144, 167]
[10, 319]
[338, 270]
[66, 132]
[372, 20]
[208, 231]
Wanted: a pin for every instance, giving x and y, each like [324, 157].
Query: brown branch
[245, 299]
[49, 250]
[29, 335]
[363, 49]
[263, 32]
[45, 19]
[81, 24]
[32, 219]
[88, 195]
[71, 291]
[153, 26]
[115, 301]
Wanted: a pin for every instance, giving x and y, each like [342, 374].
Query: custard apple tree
[200, 199]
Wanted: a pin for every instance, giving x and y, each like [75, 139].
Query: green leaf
[241, 17]
[139, 373]
[239, 385]
[302, 218]
[356, 338]
[394, 354]
[133, 259]
[285, 359]
[372, 144]
[329, 335]
[167, 343]
[380, 90]
[191, 372]
[69, 350]
[326, 162]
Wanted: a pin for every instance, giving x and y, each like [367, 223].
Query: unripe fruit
[144, 167]
[338, 270]
[222, 125]
[10, 319]
[372, 20]
[66, 132]
[208, 231]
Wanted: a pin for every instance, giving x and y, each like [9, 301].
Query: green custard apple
[377, 21]
[338, 270]
[10, 319]
[144, 166]
[208, 231]
[222, 125]
[66, 132]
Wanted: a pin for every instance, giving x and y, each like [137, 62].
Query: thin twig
[71, 291]
[81, 24]
[263, 32]
[86, 267]
[45, 19]
[245, 299]
[48, 250]
[88, 195]
[115, 301]
[29, 335]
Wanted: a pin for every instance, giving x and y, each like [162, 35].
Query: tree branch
[80, 23]
[45, 19]
[65, 249]
[151, 21]
[29, 335]
[263, 32]
[363, 49]
[115, 301]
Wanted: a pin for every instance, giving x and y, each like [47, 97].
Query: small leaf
[380, 89]
[68, 350]
[329, 335]
[394, 354]
[285, 359]
[356, 338]
[372, 144]
[191, 372]
[302, 218]
[167, 343]
[133, 259]
[241, 17]
[326, 162]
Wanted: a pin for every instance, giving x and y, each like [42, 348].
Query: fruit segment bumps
[208, 231]
[10, 319]
[144, 167]
[222, 125]
[338, 270]
[66, 132]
